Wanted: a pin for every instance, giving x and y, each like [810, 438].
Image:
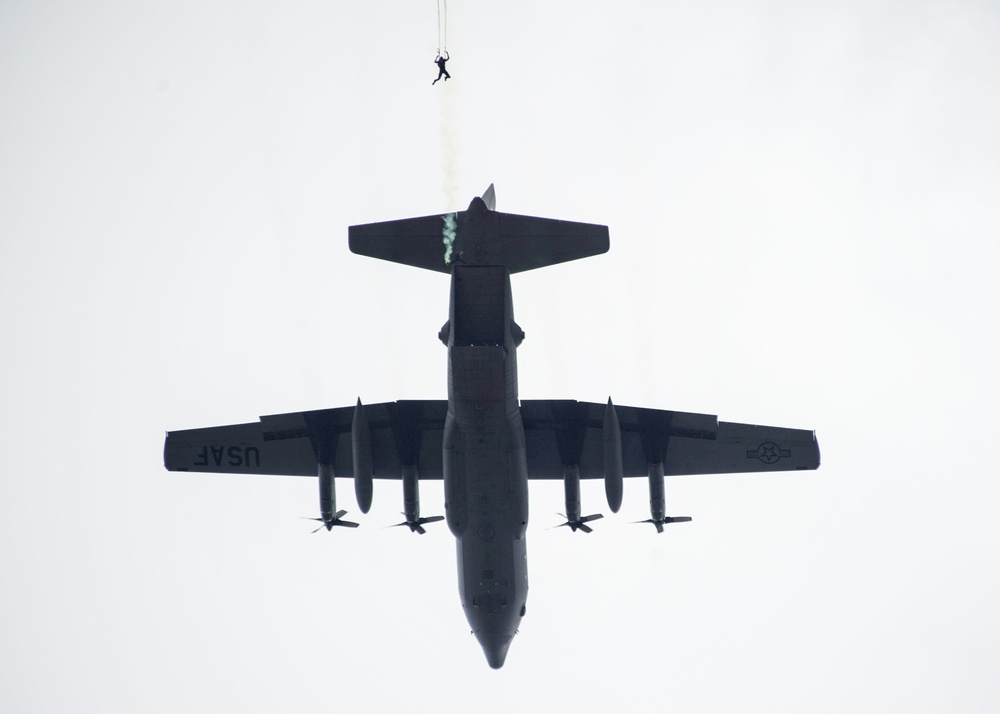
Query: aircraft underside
[484, 441]
[485, 473]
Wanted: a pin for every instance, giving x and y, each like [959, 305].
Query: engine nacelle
[329, 515]
[571, 482]
[571, 488]
[657, 500]
[361, 446]
[327, 491]
[411, 502]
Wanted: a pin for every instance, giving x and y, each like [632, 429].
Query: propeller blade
[335, 521]
[307, 518]
[669, 519]
[580, 524]
[417, 525]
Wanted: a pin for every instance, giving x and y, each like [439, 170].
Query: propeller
[335, 521]
[417, 525]
[667, 519]
[581, 523]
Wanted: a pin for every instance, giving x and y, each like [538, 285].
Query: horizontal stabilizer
[411, 241]
[479, 236]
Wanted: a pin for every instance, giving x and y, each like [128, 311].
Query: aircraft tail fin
[479, 235]
[490, 198]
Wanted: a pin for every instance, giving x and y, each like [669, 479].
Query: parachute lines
[442, 7]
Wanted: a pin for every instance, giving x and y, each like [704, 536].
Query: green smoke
[449, 235]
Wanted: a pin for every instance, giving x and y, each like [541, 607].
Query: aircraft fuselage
[482, 440]
[485, 470]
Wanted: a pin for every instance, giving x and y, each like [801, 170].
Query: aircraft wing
[556, 432]
[561, 432]
[291, 444]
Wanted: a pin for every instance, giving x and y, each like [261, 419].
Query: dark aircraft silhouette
[483, 441]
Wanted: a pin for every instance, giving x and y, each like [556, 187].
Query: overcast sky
[805, 231]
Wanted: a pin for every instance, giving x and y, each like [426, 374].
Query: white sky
[804, 216]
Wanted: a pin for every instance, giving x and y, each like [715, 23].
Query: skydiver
[442, 72]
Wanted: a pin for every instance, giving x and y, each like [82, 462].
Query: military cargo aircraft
[483, 441]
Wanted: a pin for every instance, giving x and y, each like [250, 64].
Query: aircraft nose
[495, 646]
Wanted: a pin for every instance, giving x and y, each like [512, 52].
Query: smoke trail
[449, 148]
[448, 235]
